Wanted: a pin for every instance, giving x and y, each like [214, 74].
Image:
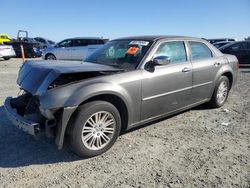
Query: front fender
[70, 98]
[98, 89]
[75, 94]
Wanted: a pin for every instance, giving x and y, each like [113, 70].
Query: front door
[168, 87]
[64, 49]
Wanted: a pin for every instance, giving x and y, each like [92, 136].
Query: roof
[155, 37]
[222, 39]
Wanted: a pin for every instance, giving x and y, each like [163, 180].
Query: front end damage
[25, 113]
[41, 110]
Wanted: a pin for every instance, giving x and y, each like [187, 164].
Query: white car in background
[73, 49]
[6, 52]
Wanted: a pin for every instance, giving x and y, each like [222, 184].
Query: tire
[6, 58]
[50, 57]
[28, 55]
[221, 92]
[92, 141]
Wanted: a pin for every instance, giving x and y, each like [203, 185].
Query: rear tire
[221, 92]
[94, 129]
[6, 58]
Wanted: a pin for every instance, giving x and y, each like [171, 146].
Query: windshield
[125, 54]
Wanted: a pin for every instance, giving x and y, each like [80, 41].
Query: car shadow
[18, 149]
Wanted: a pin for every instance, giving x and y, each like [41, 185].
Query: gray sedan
[126, 83]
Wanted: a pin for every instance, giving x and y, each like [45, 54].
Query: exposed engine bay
[67, 78]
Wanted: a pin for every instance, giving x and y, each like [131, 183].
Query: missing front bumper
[26, 125]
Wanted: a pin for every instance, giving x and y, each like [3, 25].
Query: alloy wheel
[98, 130]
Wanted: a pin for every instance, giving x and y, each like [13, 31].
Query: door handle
[186, 69]
[217, 64]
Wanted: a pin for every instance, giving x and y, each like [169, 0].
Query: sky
[60, 19]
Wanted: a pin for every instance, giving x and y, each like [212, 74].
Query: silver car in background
[6, 52]
[73, 49]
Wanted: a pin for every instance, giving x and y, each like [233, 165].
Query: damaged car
[126, 83]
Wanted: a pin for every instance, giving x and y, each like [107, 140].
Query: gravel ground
[201, 147]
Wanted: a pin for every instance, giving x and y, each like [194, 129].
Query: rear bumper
[27, 126]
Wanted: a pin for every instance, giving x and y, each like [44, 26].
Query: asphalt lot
[201, 147]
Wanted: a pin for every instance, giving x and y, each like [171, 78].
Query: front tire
[50, 57]
[95, 128]
[6, 58]
[221, 92]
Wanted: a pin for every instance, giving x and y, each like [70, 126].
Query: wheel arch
[49, 53]
[227, 71]
[229, 75]
[67, 117]
[115, 100]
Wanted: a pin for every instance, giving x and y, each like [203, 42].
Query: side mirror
[161, 60]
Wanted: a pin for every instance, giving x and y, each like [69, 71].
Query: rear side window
[238, 46]
[40, 40]
[248, 45]
[243, 46]
[199, 51]
[175, 50]
[95, 42]
[80, 42]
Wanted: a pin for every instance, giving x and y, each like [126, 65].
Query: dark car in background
[220, 44]
[240, 49]
[30, 46]
[45, 43]
[31, 49]
[212, 41]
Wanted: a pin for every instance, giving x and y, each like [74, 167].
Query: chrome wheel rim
[98, 130]
[222, 92]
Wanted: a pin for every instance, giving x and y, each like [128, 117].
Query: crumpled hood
[36, 76]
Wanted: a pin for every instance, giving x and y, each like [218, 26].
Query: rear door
[94, 44]
[248, 53]
[167, 88]
[205, 66]
[244, 53]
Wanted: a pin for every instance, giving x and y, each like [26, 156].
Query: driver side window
[174, 50]
[66, 43]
